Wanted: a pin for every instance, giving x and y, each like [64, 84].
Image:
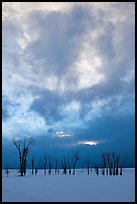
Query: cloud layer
[67, 66]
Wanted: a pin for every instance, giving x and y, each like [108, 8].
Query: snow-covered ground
[63, 188]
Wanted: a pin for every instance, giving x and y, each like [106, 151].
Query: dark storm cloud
[48, 105]
[114, 134]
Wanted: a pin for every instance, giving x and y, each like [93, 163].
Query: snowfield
[68, 188]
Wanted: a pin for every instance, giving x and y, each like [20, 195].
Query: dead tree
[76, 158]
[25, 153]
[122, 163]
[56, 167]
[50, 165]
[121, 169]
[117, 159]
[114, 163]
[32, 165]
[7, 171]
[104, 162]
[88, 166]
[69, 165]
[37, 167]
[22, 147]
[97, 169]
[64, 165]
[58, 170]
[45, 162]
[109, 160]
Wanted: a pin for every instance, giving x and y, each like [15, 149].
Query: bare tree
[22, 147]
[117, 159]
[104, 163]
[114, 163]
[32, 164]
[64, 165]
[69, 165]
[97, 169]
[122, 163]
[7, 171]
[88, 164]
[76, 158]
[25, 153]
[56, 166]
[45, 162]
[37, 166]
[50, 164]
[58, 170]
[109, 160]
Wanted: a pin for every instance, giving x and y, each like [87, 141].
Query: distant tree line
[111, 163]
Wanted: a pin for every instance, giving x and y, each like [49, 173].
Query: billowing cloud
[67, 65]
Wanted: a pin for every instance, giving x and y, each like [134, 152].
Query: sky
[68, 77]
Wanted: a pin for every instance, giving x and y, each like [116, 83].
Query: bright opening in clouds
[88, 142]
[68, 74]
[62, 134]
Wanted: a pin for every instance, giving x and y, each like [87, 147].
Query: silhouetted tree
[25, 153]
[58, 170]
[117, 159]
[22, 147]
[7, 170]
[56, 167]
[104, 163]
[97, 169]
[69, 166]
[76, 158]
[114, 163]
[109, 160]
[45, 162]
[122, 163]
[64, 165]
[50, 164]
[37, 166]
[32, 165]
[88, 166]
